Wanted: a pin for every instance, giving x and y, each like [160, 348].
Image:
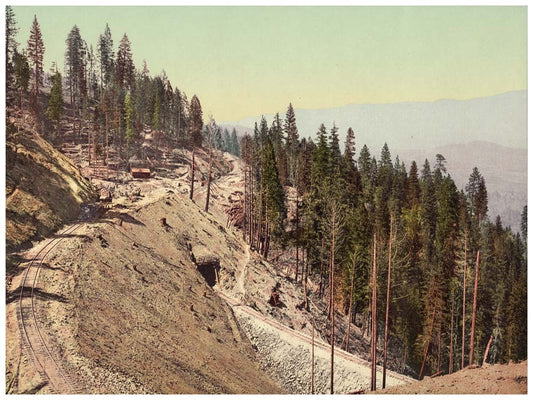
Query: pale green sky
[245, 61]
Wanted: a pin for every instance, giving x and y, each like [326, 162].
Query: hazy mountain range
[488, 132]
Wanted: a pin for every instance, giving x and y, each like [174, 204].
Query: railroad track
[45, 362]
[306, 338]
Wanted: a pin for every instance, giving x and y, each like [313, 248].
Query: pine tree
[35, 56]
[227, 141]
[75, 66]
[274, 195]
[106, 56]
[128, 117]
[196, 122]
[11, 44]
[235, 147]
[335, 160]
[291, 131]
[55, 104]
[181, 117]
[125, 69]
[523, 224]
[477, 195]
[22, 75]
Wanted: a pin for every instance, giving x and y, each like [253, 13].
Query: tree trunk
[251, 208]
[313, 357]
[464, 309]
[373, 340]
[260, 217]
[474, 306]
[89, 146]
[266, 233]
[297, 237]
[106, 147]
[351, 301]
[387, 309]
[487, 350]
[439, 340]
[429, 339]
[306, 274]
[450, 363]
[321, 286]
[191, 194]
[209, 172]
[208, 183]
[332, 292]
[245, 205]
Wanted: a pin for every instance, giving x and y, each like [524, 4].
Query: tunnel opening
[209, 267]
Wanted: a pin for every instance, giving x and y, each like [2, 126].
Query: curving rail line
[48, 368]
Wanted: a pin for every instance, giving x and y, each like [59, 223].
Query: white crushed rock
[287, 357]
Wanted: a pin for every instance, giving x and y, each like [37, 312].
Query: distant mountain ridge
[488, 132]
[504, 169]
[500, 119]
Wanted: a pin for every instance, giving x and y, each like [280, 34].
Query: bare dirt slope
[123, 308]
[130, 313]
[489, 379]
[44, 189]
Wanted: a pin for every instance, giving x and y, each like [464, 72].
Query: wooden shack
[142, 173]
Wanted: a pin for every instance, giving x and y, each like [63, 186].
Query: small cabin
[141, 173]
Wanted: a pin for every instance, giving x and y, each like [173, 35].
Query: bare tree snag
[306, 275]
[106, 146]
[373, 340]
[211, 123]
[450, 363]
[251, 208]
[464, 308]
[89, 146]
[439, 340]
[351, 300]
[332, 290]
[387, 309]
[474, 306]
[244, 220]
[321, 286]
[429, 340]
[487, 350]
[297, 239]
[191, 194]
[313, 357]
[260, 211]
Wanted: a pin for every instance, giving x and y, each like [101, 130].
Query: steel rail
[27, 314]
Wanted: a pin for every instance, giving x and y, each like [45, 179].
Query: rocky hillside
[128, 311]
[44, 189]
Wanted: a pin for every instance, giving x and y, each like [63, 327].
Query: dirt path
[285, 351]
[242, 272]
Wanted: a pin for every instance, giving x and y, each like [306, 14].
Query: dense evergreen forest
[104, 93]
[401, 246]
[447, 279]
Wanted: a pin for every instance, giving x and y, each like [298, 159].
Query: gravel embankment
[288, 359]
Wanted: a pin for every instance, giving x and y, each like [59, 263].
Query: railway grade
[45, 362]
[306, 338]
